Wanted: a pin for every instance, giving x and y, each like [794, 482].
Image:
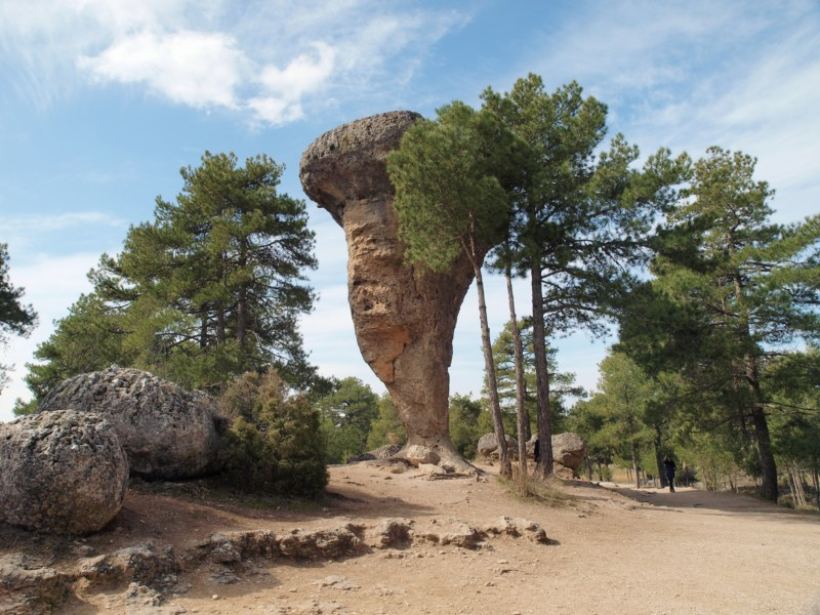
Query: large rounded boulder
[569, 449]
[168, 433]
[61, 472]
[488, 445]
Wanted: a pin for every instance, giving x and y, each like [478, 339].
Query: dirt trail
[615, 551]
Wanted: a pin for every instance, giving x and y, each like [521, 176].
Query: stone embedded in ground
[61, 472]
[146, 564]
[404, 316]
[323, 544]
[29, 589]
[168, 432]
[392, 533]
[506, 526]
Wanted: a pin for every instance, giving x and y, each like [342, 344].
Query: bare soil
[614, 550]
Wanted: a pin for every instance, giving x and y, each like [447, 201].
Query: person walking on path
[670, 467]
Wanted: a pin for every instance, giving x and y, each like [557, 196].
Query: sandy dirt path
[615, 550]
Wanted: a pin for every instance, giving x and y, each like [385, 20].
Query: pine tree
[215, 284]
[739, 286]
[450, 202]
[580, 219]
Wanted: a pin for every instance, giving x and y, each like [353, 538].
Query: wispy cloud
[266, 60]
[689, 75]
[197, 69]
[45, 223]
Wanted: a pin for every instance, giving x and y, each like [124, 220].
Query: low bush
[274, 443]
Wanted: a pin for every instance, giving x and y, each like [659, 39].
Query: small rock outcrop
[28, 588]
[146, 564]
[404, 317]
[167, 432]
[62, 472]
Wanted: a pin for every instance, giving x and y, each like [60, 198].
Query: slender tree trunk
[659, 458]
[816, 477]
[489, 366]
[762, 436]
[635, 468]
[242, 305]
[242, 318]
[203, 329]
[220, 322]
[544, 467]
[521, 411]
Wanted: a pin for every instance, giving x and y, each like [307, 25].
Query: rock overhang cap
[348, 162]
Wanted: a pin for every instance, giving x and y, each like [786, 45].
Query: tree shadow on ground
[719, 501]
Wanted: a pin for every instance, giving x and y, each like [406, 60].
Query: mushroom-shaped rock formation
[404, 316]
[168, 432]
[63, 472]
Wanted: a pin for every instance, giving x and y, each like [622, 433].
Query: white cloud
[193, 68]
[284, 88]
[22, 232]
[44, 223]
[265, 59]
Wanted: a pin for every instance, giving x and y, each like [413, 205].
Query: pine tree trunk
[492, 382]
[761, 426]
[220, 322]
[635, 469]
[762, 436]
[242, 306]
[242, 318]
[544, 467]
[817, 486]
[659, 459]
[203, 329]
[521, 411]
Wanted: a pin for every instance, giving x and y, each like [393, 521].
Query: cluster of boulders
[65, 469]
[568, 451]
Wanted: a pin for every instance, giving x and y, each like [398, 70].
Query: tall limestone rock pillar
[404, 317]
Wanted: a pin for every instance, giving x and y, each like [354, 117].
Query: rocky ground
[394, 542]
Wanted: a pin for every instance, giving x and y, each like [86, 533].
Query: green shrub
[274, 442]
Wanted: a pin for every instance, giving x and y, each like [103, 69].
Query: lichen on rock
[62, 472]
[167, 432]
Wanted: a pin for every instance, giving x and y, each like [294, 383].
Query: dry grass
[549, 492]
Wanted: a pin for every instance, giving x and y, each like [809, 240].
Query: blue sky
[101, 103]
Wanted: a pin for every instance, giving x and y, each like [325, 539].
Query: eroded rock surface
[404, 317]
[63, 472]
[167, 432]
[27, 588]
